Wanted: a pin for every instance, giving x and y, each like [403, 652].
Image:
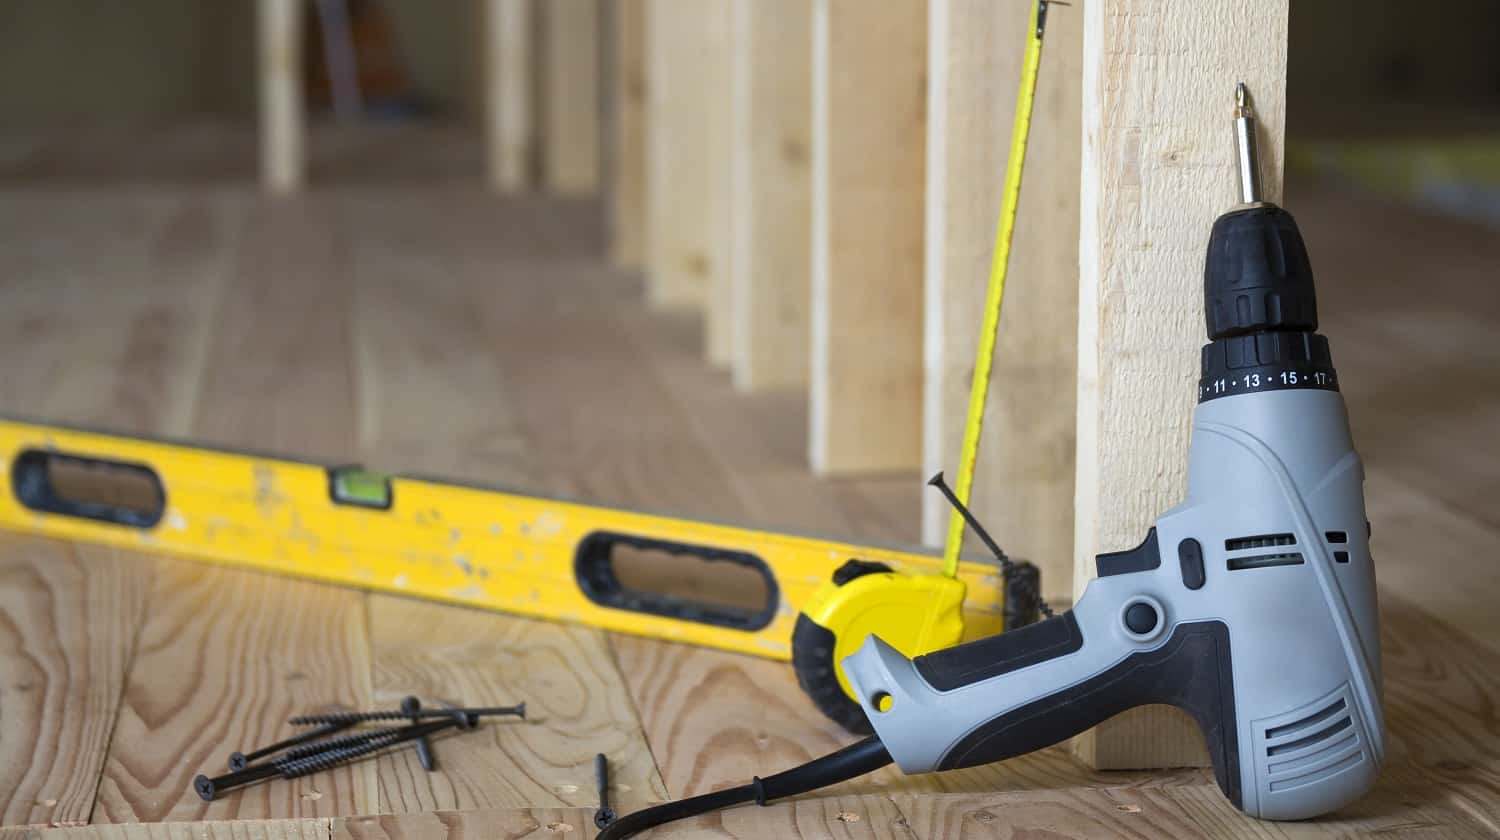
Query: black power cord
[856, 759]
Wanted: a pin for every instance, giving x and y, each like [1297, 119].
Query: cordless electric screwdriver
[1250, 605]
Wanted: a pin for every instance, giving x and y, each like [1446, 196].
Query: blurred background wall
[85, 61]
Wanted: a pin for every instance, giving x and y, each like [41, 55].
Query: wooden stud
[771, 211]
[687, 163]
[866, 365]
[1023, 486]
[570, 99]
[283, 156]
[509, 135]
[1158, 168]
[627, 170]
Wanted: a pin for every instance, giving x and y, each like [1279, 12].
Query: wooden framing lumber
[687, 161]
[283, 154]
[571, 124]
[1023, 486]
[509, 134]
[771, 212]
[1158, 168]
[869, 129]
[627, 135]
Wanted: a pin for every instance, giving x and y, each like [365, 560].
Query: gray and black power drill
[1251, 605]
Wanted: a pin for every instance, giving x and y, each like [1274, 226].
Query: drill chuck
[1258, 295]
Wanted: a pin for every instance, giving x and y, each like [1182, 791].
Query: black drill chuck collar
[1257, 276]
[1261, 308]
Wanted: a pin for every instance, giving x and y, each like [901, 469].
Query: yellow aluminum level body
[461, 544]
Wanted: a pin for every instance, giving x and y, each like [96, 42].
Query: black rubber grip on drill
[1190, 671]
[1257, 275]
[980, 660]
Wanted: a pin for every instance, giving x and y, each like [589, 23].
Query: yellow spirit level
[467, 545]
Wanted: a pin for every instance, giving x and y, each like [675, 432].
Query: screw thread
[291, 769]
[335, 743]
[331, 718]
[331, 758]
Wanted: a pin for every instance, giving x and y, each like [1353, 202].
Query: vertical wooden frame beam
[571, 116]
[283, 142]
[714, 76]
[1023, 485]
[869, 135]
[627, 133]
[687, 161]
[771, 211]
[1158, 168]
[508, 125]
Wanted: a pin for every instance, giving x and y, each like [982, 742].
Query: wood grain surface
[68, 618]
[771, 192]
[575, 698]
[320, 828]
[224, 657]
[865, 372]
[686, 173]
[569, 98]
[626, 137]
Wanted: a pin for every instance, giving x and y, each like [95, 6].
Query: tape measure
[924, 612]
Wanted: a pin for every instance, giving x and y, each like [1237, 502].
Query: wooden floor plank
[527, 824]
[299, 829]
[600, 425]
[1424, 551]
[824, 818]
[431, 397]
[1407, 299]
[68, 619]
[759, 443]
[73, 283]
[224, 658]
[278, 376]
[576, 702]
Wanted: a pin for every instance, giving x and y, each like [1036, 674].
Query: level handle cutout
[715, 586]
[100, 489]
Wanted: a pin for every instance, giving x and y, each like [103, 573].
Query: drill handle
[1020, 691]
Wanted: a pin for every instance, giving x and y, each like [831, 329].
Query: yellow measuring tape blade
[979, 390]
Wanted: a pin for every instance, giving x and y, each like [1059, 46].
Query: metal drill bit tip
[1244, 143]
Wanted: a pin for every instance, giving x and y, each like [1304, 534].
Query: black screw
[518, 710]
[239, 761]
[332, 758]
[605, 815]
[468, 720]
[412, 707]
[1006, 563]
[209, 789]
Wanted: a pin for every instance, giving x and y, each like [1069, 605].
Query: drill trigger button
[1142, 558]
[1190, 557]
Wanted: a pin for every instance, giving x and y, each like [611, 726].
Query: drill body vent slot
[1259, 541]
